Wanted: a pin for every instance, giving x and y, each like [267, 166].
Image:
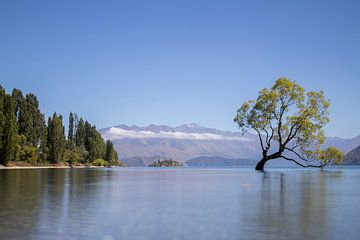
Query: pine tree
[9, 135]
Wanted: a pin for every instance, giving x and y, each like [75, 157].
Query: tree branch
[302, 165]
[297, 154]
[261, 141]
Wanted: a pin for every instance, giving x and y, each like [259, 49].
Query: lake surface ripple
[183, 203]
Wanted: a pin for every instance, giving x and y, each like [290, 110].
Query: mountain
[344, 144]
[353, 157]
[180, 143]
[142, 145]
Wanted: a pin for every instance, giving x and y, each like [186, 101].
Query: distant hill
[140, 146]
[353, 157]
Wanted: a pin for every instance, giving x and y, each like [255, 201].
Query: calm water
[179, 204]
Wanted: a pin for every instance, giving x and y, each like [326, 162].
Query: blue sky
[175, 62]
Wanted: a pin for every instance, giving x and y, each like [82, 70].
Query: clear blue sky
[174, 62]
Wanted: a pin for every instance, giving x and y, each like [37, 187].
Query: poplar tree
[71, 131]
[2, 117]
[80, 134]
[111, 155]
[56, 139]
[9, 133]
[94, 143]
[18, 99]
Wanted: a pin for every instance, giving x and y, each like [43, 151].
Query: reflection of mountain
[137, 144]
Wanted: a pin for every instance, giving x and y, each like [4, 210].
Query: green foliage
[9, 132]
[30, 119]
[94, 143]
[166, 163]
[2, 116]
[27, 139]
[100, 162]
[293, 119]
[29, 154]
[56, 139]
[73, 156]
[80, 134]
[111, 155]
[71, 131]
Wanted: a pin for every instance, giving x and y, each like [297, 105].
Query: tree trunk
[261, 163]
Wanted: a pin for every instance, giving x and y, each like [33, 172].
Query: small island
[166, 163]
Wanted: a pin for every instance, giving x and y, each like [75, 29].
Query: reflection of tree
[20, 192]
[50, 203]
[289, 205]
[68, 201]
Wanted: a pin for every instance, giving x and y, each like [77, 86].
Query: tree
[71, 131]
[56, 139]
[30, 119]
[2, 116]
[289, 124]
[94, 143]
[110, 154]
[9, 132]
[18, 99]
[80, 134]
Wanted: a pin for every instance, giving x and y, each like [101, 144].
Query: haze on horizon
[179, 62]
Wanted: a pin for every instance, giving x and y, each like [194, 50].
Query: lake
[182, 203]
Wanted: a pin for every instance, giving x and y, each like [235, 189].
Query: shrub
[99, 162]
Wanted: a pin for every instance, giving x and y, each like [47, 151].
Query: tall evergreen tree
[9, 135]
[80, 134]
[56, 139]
[2, 116]
[18, 99]
[71, 131]
[31, 120]
[111, 155]
[94, 143]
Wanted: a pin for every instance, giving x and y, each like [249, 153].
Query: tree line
[26, 136]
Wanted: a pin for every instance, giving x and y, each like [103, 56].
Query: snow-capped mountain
[181, 143]
[190, 141]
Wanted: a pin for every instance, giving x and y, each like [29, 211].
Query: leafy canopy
[289, 123]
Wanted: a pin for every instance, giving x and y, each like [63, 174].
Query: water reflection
[179, 204]
[288, 206]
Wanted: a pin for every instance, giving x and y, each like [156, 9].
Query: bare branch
[261, 141]
[302, 165]
[297, 154]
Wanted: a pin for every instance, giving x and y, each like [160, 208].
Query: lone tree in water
[289, 124]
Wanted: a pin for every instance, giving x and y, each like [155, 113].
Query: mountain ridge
[188, 141]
